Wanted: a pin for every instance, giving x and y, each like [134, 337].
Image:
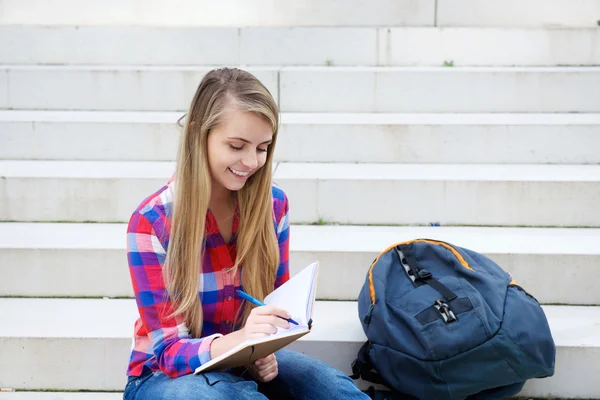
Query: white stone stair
[107, 88]
[375, 194]
[222, 13]
[50, 342]
[518, 13]
[375, 138]
[90, 259]
[310, 89]
[60, 396]
[348, 46]
[529, 13]
[375, 130]
[452, 194]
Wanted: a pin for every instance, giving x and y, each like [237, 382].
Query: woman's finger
[265, 360]
[270, 377]
[269, 370]
[266, 367]
[262, 329]
[272, 310]
[272, 320]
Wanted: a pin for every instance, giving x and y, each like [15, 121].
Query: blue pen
[252, 300]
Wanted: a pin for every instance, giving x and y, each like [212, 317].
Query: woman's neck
[220, 198]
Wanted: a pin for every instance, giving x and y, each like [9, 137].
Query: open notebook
[297, 296]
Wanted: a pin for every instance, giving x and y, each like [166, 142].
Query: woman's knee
[298, 364]
[307, 377]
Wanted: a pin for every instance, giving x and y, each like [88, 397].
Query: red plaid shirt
[164, 343]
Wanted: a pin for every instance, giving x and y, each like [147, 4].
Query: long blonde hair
[257, 249]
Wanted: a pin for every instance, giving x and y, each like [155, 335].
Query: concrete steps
[223, 13]
[375, 138]
[107, 88]
[530, 13]
[50, 342]
[310, 89]
[349, 46]
[90, 259]
[452, 194]
[393, 194]
[518, 13]
[399, 112]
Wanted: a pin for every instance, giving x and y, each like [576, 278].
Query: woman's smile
[239, 174]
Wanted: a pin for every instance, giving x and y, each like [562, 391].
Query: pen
[252, 300]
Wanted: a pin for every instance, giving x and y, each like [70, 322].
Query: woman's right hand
[264, 320]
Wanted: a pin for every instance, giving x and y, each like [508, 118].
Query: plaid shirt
[164, 343]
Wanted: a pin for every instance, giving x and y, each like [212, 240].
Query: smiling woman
[237, 148]
[218, 226]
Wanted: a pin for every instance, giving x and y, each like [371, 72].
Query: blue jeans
[300, 377]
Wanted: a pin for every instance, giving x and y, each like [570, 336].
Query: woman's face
[237, 148]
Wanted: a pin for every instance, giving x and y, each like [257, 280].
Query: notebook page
[313, 290]
[295, 295]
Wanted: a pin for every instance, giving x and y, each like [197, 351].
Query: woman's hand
[264, 369]
[264, 320]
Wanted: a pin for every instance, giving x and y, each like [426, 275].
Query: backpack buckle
[445, 311]
[423, 274]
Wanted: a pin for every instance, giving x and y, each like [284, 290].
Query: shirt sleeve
[283, 238]
[176, 352]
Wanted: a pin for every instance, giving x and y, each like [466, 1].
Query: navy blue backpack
[444, 322]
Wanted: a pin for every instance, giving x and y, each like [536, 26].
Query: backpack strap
[422, 275]
[362, 367]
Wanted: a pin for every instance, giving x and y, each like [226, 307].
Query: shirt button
[228, 298]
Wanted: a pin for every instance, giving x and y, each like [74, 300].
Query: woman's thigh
[303, 377]
[211, 385]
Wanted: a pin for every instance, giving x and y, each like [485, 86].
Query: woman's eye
[262, 150]
[235, 148]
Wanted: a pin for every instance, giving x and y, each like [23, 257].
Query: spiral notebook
[297, 296]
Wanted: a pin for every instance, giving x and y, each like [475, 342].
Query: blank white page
[297, 294]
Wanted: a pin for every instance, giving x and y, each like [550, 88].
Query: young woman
[217, 226]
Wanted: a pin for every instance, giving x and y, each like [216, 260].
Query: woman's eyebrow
[247, 141]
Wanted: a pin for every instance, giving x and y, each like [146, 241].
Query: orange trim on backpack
[458, 256]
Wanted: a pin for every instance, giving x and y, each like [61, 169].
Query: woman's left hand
[265, 369]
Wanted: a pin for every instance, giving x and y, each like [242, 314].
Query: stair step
[389, 89]
[90, 259]
[451, 194]
[60, 396]
[517, 13]
[340, 89]
[533, 13]
[465, 46]
[380, 194]
[144, 88]
[36, 330]
[223, 13]
[389, 138]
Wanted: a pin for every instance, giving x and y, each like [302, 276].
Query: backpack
[444, 322]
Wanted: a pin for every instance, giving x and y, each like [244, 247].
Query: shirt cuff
[204, 350]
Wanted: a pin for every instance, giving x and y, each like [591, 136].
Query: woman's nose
[250, 159]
